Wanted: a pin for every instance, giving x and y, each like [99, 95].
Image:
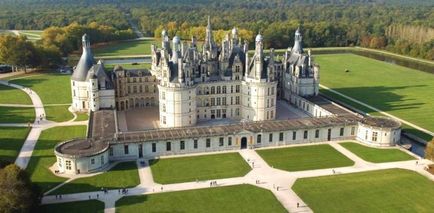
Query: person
[89, 197]
[60, 197]
[298, 205]
[97, 196]
[119, 191]
[417, 163]
[161, 188]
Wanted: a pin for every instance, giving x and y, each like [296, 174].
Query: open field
[392, 190]
[17, 114]
[123, 175]
[305, 158]
[82, 117]
[376, 155]
[53, 88]
[109, 67]
[400, 91]
[94, 206]
[240, 198]
[10, 95]
[140, 47]
[205, 167]
[43, 155]
[11, 141]
[58, 113]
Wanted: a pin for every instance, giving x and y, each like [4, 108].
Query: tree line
[55, 43]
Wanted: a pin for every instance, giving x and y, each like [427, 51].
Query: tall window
[258, 139]
[212, 90]
[237, 88]
[305, 134]
[126, 150]
[168, 146]
[229, 141]
[341, 132]
[102, 159]
[294, 135]
[111, 151]
[221, 141]
[154, 147]
[374, 136]
[353, 129]
[208, 143]
[68, 165]
[195, 143]
[182, 145]
[317, 133]
[270, 137]
[281, 136]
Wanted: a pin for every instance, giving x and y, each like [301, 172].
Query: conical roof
[85, 63]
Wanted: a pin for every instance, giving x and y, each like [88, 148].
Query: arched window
[258, 140]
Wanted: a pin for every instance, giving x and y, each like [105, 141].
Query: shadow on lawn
[131, 200]
[382, 97]
[17, 114]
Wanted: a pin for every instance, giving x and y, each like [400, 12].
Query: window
[224, 89]
[195, 143]
[224, 101]
[237, 100]
[68, 165]
[208, 143]
[237, 88]
[126, 150]
[212, 90]
[294, 135]
[154, 147]
[111, 151]
[229, 141]
[218, 101]
[353, 129]
[270, 137]
[341, 133]
[317, 133]
[281, 136]
[92, 161]
[366, 135]
[258, 139]
[182, 145]
[168, 146]
[218, 90]
[374, 136]
[164, 119]
[163, 95]
[60, 162]
[221, 141]
[102, 159]
[305, 134]
[164, 107]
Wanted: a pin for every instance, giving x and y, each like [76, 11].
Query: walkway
[37, 127]
[378, 110]
[279, 182]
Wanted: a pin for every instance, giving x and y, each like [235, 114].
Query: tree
[17, 51]
[429, 150]
[17, 194]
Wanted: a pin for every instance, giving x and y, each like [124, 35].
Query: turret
[298, 48]
[165, 41]
[209, 46]
[176, 49]
[258, 56]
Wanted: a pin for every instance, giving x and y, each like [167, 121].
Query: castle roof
[85, 63]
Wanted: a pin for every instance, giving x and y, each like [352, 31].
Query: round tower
[177, 105]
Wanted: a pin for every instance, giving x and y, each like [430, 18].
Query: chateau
[219, 97]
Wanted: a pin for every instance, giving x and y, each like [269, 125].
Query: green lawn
[53, 88]
[400, 91]
[82, 117]
[58, 113]
[17, 114]
[11, 141]
[43, 155]
[205, 167]
[94, 206]
[392, 190]
[123, 175]
[305, 158]
[109, 67]
[376, 155]
[125, 48]
[10, 95]
[239, 198]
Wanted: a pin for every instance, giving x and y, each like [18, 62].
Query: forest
[393, 25]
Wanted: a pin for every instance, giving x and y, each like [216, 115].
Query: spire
[298, 48]
[209, 46]
[85, 42]
[86, 61]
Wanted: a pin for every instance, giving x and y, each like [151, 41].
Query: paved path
[378, 110]
[279, 182]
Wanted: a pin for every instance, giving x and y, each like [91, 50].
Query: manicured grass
[109, 67]
[205, 167]
[10, 95]
[392, 190]
[376, 155]
[58, 113]
[400, 91]
[94, 206]
[43, 155]
[125, 48]
[82, 117]
[305, 158]
[53, 88]
[11, 141]
[123, 175]
[240, 198]
[17, 114]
